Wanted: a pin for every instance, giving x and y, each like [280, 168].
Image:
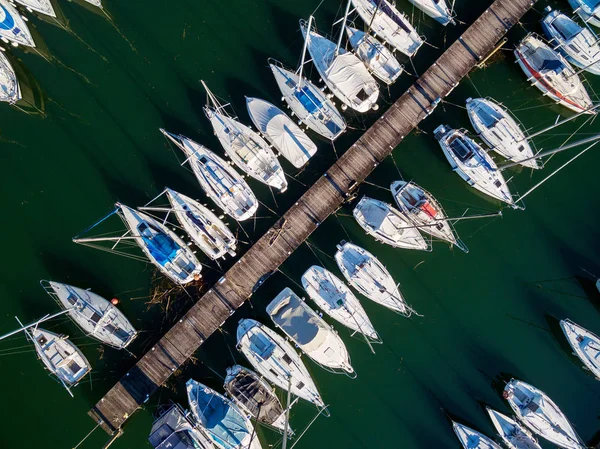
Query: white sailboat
[538, 412]
[375, 56]
[514, 435]
[576, 43]
[387, 225]
[97, 3]
[366, 274]
[220, 181]
[424, 211]
[343, 73]
[552, 74]
[281, 132]
[436, 9]
[390, 24]
[10, 91]
[473, 164]
[41, 6]
[308, 102]
[175, 429]
[207, 230]
[500, 131]
[309, 332]
[94, 315]
[471, 439]
[245, 147]
[335, 299]
[276, 360]
[12, 26]
[585, 344]
[588, 10]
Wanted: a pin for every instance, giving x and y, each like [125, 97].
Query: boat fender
[114, 301]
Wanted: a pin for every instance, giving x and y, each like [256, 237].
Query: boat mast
[35, 323]
[373, 18]
[339, 43]
[561, 122]
[287, 414]
[211, 96]
[304, 48]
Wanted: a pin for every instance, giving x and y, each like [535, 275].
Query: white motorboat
[500, 131]
[576, 43]
[309, 332]
[175, 429]
[471, 439]
[220, 418]
[255, 397]
[588, 10]
[436, 9]
[220, 181]
[375, 56]
[41, 6]
[162, 246]
[335, 299]
[281, 131]
[13, 27]
[10, 91]
[585, 344]
[387, 225]
[473, 164]
[308, 102]
[538, 412]
[550, 72]
[96, 316]
[276, 360]
[211, 235]
[390, 24]
[343, 73]
[365, 273]
[424, 211]
[245, 147]
[514, 435]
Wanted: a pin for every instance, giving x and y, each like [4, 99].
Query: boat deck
[321, 200]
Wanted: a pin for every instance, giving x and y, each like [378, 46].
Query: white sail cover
[348, 73]
[281, 131]
[41, 6]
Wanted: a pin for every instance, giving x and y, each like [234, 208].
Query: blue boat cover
[310, 102]
[161, 247]
[9, 22]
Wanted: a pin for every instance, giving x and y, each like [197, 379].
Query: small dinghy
[578, 44]
[365, 273]
[13, 27]
[220, 418]
[10, 91]
[162, 246]
[541, 414]
[585, 344]
[309, 332]
[390, 24]
[308, 102]
[552, 74]
[281, 131]
[336, 300]
[514, 435]
[276, 360]
[41, 6]
[473, 164]
[343, 73]
[375, 56]
[245, 147]
[588, 10]
[175, 429]
[436, 9]
[220, 181]
[471, 439]
[255, 397]
[211, 235]
[387, 225]
[500, 131]
[424, 211]
[96, 316]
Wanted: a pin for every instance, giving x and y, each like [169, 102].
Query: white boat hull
[585, 344]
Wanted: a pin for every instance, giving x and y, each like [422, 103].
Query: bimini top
[281, 131]
[342, 72]
[97, 317]
[220, 181]
[10, 91]
[13, 27]
[309, 103]
[174, 429]
[41, 6]
[471, 439]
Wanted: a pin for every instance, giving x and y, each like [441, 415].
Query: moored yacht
[10, 91]
[514, 435]
[585, 344]
[41, 6]
[436, 9]
[13, 27]
[588, 10]
[471, 439]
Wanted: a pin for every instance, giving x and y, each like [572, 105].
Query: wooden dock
[321, 200]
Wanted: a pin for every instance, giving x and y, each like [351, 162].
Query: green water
[488, 315]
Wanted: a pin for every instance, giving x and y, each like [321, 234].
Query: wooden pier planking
[320, 201]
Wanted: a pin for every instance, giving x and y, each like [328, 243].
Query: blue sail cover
[161, 247]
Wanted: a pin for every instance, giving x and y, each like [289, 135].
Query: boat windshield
[161, 247]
